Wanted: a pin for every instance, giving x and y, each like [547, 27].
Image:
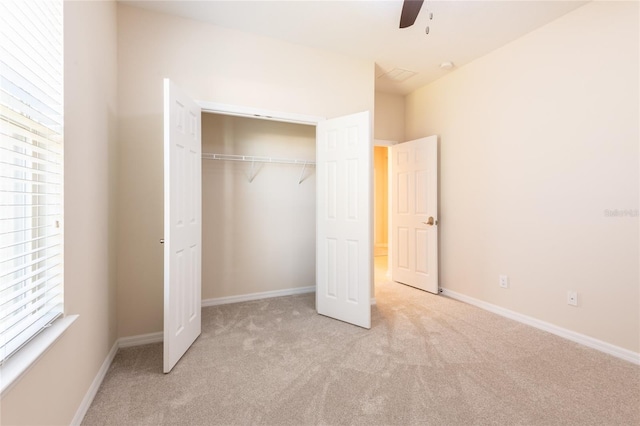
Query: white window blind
[31, 170]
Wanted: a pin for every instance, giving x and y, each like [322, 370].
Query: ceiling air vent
[398, 74]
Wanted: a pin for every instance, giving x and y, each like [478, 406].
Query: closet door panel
[344, 267]
[182, 223]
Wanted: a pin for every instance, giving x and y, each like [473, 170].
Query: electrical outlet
[504, 281]
[572, 298]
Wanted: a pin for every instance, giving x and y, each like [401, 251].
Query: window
[31, 170]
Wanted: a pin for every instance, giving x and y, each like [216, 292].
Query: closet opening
[258, 208]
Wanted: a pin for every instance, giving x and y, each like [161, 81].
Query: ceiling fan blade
[410, 10]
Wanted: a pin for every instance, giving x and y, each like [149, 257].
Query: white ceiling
[460, 31]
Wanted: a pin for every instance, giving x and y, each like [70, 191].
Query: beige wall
[257, 236]
[58, 382]
[389, 117]
[381, 195]
[538, 140]
[212, 64]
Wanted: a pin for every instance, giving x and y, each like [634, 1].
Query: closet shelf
[255, 159]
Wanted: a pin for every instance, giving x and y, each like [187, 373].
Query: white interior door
[414, 208]
[182, 223]
[344, 267]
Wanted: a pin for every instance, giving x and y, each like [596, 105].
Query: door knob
[431, 221]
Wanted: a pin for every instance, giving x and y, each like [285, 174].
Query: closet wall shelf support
[257, 159]
[304, 167]
[253, 173]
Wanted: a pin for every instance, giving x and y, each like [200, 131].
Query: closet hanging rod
[256, 159]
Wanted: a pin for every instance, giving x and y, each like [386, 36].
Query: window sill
[22, 361]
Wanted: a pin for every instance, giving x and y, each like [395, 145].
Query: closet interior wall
[259, 234]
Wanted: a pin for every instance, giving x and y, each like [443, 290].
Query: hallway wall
[381, 198]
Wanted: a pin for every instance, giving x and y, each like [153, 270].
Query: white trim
[95, 385]
[141, 339]
[582, 339]
[263, 114]
[256, 296]
[16, 366]
[123, 342]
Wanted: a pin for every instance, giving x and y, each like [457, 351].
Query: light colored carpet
[427, 360]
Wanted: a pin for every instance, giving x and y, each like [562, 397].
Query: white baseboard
[582, 339]
[95, 385]
[123, 342]
[256, 296]
[141, 339]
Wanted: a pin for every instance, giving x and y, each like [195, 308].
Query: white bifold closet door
[344, 239]
[182, 223]
[344, 232]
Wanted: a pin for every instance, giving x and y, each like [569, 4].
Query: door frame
[262, 114]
